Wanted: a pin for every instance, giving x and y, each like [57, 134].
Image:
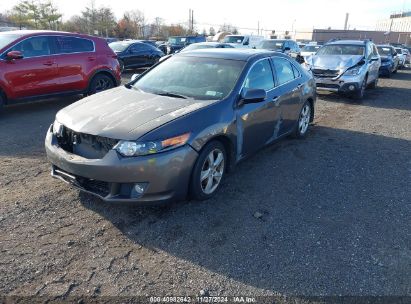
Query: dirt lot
[335, 215]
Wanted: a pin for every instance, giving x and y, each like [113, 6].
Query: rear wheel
[99, 83]
[208, 171]
[303, 121]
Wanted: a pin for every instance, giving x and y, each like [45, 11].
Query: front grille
[95, 186]
[85, 145]
[328, 85]
[323, 73]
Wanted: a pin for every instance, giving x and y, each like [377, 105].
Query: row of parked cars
[160, 138]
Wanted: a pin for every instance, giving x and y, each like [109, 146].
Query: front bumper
[164, 176]
[342, 84]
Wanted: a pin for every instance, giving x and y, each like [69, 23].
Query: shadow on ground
[335, 218]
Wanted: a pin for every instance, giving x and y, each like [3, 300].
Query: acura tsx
[177, 129]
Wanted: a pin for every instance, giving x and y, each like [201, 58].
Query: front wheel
[359, 94]
[208, 171]
[303, 121]
[99, 83]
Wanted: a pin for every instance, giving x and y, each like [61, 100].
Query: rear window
[67, 45]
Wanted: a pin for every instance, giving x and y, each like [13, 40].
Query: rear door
[76, 58]
[290, 86]
[257, 122]
[36, 73]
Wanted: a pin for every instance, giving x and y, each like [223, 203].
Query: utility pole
[346, 21]
[191, 21]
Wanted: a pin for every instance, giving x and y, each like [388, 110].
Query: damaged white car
[345, 66]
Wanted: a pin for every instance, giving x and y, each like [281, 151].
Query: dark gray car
[160, 138]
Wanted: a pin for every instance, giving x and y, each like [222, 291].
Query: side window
[67, 45]
[296, 72]
[283, 70]
[33, 47]
[260, 76]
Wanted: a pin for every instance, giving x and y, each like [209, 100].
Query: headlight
[133, 148]
[57, 128]
[353, 71]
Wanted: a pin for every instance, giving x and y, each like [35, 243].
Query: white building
[398, 22]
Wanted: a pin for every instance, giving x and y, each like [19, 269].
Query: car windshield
[177, 40]
[192, 77]
[233, 39]
[119, 46]
[310, 48]
[197, 47]
[271, 45]
[384, 51]
[341, 49]
[6, 39]
[398, 50]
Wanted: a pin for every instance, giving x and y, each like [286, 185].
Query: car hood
[334, 62]
[123, 113]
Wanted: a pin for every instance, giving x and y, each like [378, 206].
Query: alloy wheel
[212, 171]
[102, 85]
[304, 120]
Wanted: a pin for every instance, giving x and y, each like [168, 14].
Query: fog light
[351, 88]
[139, 188]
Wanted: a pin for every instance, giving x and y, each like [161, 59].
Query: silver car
[346, 66]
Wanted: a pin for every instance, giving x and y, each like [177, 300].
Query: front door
[256, 122]
[36, 73]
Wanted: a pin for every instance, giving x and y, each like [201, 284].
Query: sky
[246, 15]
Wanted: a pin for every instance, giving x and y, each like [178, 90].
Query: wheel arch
[104, 72]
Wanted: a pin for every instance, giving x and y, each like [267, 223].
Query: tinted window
[33, 47]
[283, 70]
[260, 76]
[295, 71]
[66, 45]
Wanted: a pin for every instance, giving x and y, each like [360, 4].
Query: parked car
[406, 52]
[135, 54]
[42, 64]
[389, 60]
[309, 50]
[181, 126]
[243, 41]
[401, 57]
[346, 66]
[111, 39]
[286, 46]
[176, 43]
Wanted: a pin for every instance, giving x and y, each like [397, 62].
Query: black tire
[300, 131]
[121, 63]
[373, 84]
[359, 94]
[2, 101]
[196, 188]
[99, 83]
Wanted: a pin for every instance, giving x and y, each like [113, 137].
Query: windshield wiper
[169, 94]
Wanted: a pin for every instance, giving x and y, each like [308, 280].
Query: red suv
[41, 64]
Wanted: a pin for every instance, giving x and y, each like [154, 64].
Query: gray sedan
[176, 130]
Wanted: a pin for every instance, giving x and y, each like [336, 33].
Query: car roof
[385, 45]
[23, 33]
[352, 42]
[232, 53]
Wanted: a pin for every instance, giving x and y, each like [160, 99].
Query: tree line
[100, 21]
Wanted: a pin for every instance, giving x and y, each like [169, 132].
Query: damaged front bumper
[156, 178]
[341, 84]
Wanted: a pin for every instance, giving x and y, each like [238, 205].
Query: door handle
[49, 63]
[91, 58]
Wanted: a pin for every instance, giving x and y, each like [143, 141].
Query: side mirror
[134, 77]
[287, 49]
[374, 59]
[252, 96]
[395, 54]
[14, 55]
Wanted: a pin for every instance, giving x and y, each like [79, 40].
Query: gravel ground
[328, 215]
